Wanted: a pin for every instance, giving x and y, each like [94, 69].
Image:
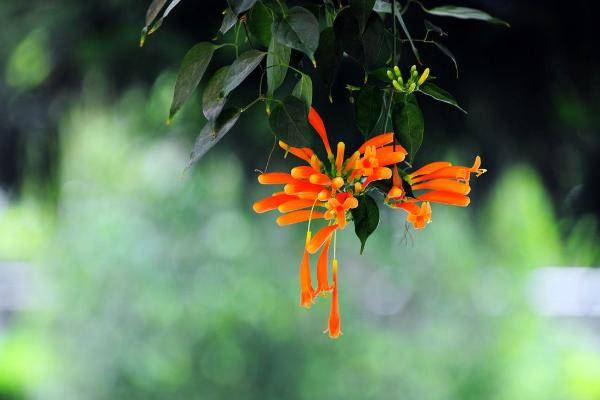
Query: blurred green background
[122, 277]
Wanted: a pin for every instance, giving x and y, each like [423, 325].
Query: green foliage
[213, 98]
[241, 68]
[366, 219]
[278, 59]
[436, 92]
[239, 6]
[289, 121]
[464, 13]
[191, 72]
[367, 107]
[298, 29]
[304, 89]
[408, 123]
[213, 132]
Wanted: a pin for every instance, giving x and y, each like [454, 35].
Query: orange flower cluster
[328, 192]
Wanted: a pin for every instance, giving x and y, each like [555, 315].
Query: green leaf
[464, 13]
[239, 6]
[448, 54]
[407, 33]
[439, 94]
[304, 90]
[362, 11]
[348, 35]
[298, 29]
[289, 121]
[152, 13]
[212, 132]
[229, 21]
[153, 10]
[382, 6]
[260, 19]
[377, 44]
[278, 59]
[213, 99]
[367, 106]
[192, 69]
[366, 219]
[328, 57]
[407, 120]
[241, 68]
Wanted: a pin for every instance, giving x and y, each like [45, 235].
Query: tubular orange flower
[306, 290]
[322, 278]
[335, 189]
[298, 216]
[322, 235]
[334, 325]
[315, 120]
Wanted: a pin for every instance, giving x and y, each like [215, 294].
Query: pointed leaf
[213, 99]
[304, 90]
[298, 29]
[212, 132]
[362, 11]
[229, 21]
[239, 6]
[366, 219]
[367, 106]
[382, 6]
[289, 121]
[407, 120]
[260, 19]
[328, 57]
[241, 68]
[464, 13]
[192, 69]
[407, 33]
[377, 44]
[151, 15]
[278, 59]
[153, 10]
[449, 54]
[439, 94]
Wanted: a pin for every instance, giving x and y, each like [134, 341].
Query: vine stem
[395, 34]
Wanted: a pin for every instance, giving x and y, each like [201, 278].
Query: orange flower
[441, 182]
[316, 191]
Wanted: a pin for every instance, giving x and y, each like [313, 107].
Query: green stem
[395, 35]
[260, 98]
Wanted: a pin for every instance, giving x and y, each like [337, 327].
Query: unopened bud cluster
[412, 83]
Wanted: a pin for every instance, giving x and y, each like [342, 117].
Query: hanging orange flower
[317, 191]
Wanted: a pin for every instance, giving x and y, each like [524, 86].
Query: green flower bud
[414, 75]
[390, 74]
[423, 77]
[412, 87]
[400, 81]
[397, 85]
[397, 71]
[413, 69]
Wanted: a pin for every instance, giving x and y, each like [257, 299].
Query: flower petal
[271, 202]
[315, 120]
[297, 204]
[444, 185]
[276, 178]
[453, 199]
[322, 235]
[429, 168]
[334, 323]
[298, 216]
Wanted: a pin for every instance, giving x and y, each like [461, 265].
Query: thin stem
[260, 98]
[395, 35]
[389, 110]
[237, 34]
[247, 34]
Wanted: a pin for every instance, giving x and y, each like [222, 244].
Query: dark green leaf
[382, 6]
[192, 69]
[362, 11]
[326, 15]
[328, 57]
[439, 94]
[260, 19]
[407, 120]
[434, 28]
[278, 59]
[298, 29]
[153, 10]
[464, 13]
[289, 121]
[407, 33]
[213, 132]
[241, 68]
[367, 107]
[239, 6]
[229, 21]
[213, 99]
[377, 44]
[348, 35]
[152, 13]
[304, 90]
[366, 219]
[449, 54]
